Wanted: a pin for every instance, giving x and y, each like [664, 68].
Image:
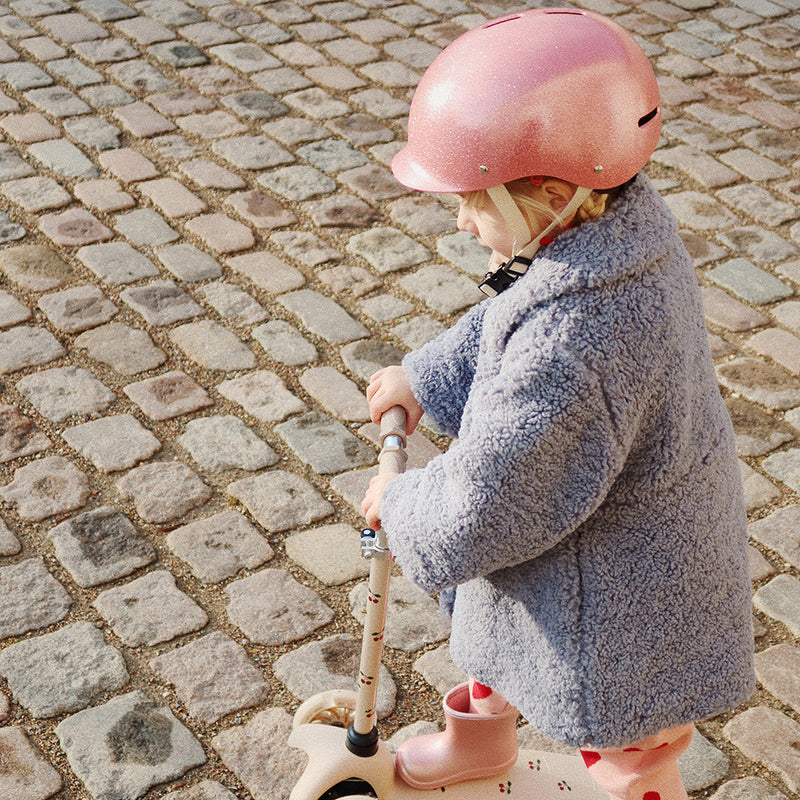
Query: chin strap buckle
[501, 278]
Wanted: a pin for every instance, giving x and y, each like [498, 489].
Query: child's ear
[557, 193]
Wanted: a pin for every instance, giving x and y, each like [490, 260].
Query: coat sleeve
[441, 371]
[537, 454]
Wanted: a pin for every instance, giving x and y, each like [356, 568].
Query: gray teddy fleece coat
[591, 512]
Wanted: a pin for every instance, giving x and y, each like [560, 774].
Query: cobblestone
[45, 488]
[64, 671]
[297, 183]
[127, 745]
[765, 735]
[280, 500]
[221, 233]
[343, 280]
[188, 263]
[64, 392]
[77, 309]
[761, 382]
[113, 443]
[366, 357]
[758, 491]
[699, 211]
[161, 302]
[116, 262]
[324, 443]
[438, 669]
[749, 282]
[218, 547]
[702, 764]
[11, 310]
[163, 491]
[18, 435]
[778, 670]
[126, 350]
[779, 599]
[36, 194]
[27, 346]
[258, 755]
[213, 346]
[135, 610]
[463, 251]
[261, 209]
[271, 608]
[9, 544]
[785, 466]
[63, 157]
[759, 244]
[748, 789]
[336, 393]
[267, 272]
[442, 288]
[758, 203]
[100, 545]
[332, 553]
[387, 249]
[144, 227]
[212, 677]
[31, 598]
[757, 432]
[204, 790]
[779, 345]
[263, 395]
[220, 443]
[30, 775]
[322, 316]
[721, 309]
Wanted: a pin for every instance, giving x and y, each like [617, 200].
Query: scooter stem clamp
[374, 545]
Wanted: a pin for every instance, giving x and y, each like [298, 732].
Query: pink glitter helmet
[553, 91]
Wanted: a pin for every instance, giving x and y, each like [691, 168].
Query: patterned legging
[645, 770]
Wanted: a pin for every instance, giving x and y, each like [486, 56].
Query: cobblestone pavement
[203, 256]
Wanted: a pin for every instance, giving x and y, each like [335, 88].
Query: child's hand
[371, 504]
[389, 387]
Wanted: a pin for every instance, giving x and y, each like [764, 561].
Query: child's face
[486, 223]
[540, 201]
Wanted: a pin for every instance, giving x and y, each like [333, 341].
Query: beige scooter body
[535, 775]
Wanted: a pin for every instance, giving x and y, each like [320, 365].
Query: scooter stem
[362, 736]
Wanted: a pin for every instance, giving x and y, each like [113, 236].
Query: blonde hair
[522, 192]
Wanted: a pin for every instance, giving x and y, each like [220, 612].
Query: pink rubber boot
[471, 746]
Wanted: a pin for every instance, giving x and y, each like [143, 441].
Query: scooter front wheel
[335, 707]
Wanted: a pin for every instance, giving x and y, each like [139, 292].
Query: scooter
[337, 728]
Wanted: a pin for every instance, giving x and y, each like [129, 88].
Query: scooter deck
[536, 776]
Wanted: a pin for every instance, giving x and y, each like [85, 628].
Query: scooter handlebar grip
[393, 423]
[392, 461]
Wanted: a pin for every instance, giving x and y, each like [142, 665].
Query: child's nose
[464, 221]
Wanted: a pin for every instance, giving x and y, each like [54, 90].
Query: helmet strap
[512, 216]
[501, 278]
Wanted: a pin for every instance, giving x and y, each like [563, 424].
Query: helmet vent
[500, 22]
[647, 117]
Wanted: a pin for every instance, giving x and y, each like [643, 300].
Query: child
[590, 513]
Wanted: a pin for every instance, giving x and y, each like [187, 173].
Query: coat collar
[622, 244]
